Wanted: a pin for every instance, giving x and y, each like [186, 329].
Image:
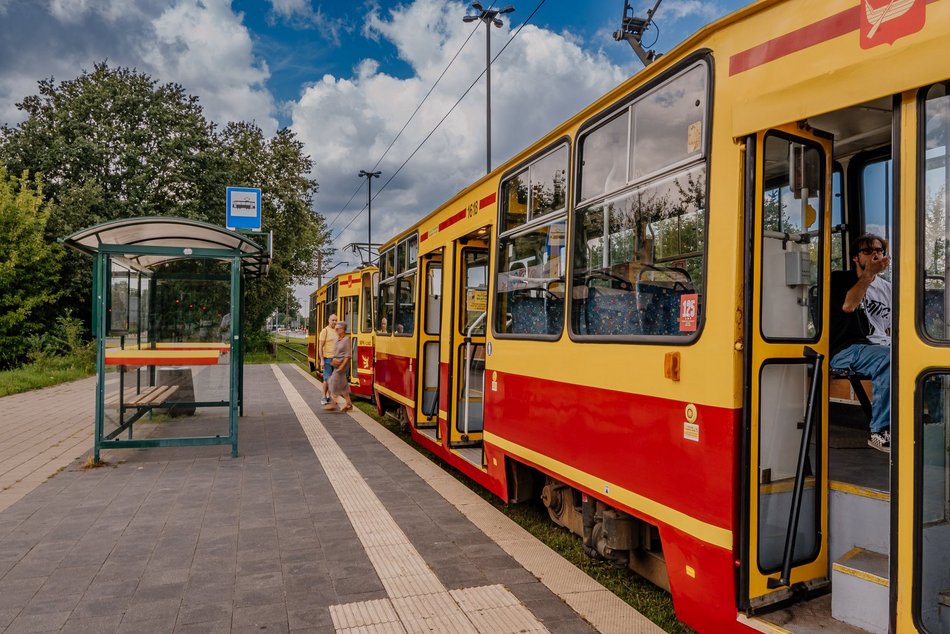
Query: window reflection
[530, 288]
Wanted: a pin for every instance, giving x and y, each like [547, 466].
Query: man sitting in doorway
[861, 328]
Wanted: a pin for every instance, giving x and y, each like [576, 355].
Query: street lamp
[489, 17]
[369, 211]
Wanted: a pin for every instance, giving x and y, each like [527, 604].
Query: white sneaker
[324, 400]
[880, 440]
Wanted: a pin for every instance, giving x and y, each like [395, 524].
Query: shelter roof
[152, 240]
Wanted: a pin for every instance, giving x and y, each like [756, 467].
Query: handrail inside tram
[468, 363]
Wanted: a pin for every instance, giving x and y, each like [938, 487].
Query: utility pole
[489, 17]
[369, 211]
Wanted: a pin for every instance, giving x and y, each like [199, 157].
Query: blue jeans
[874, 361]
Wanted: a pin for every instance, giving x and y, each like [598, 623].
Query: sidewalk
[317, 526]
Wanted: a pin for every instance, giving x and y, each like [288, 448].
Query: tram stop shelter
[168, 313]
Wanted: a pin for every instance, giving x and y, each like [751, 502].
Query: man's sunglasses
[869, 251]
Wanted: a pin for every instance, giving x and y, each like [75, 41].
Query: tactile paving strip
[418, 602]
[597, 605]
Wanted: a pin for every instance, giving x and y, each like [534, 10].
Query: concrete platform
[325, 522]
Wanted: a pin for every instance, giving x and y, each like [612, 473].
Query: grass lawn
[49, 371]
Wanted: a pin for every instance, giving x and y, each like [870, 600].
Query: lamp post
[369, 211]
[489, 17]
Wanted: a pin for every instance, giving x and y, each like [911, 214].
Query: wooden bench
[154, 396]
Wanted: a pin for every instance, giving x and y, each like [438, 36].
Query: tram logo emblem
[884, 21]
[365, 361]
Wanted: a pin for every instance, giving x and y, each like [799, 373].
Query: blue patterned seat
[612, 312]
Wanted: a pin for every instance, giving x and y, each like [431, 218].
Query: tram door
[427, 409]
[921, 440]
[785, 515]
[469, 316]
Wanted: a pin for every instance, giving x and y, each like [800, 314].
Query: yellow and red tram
[630, 318]
[350, 297]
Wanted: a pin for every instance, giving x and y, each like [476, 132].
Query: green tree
[114, 143]
[29, 264]
[281, 169]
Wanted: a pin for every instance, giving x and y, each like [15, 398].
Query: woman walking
[339, 381]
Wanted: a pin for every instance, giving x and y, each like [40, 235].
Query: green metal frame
[255, 262]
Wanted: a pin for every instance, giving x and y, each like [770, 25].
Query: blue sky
[346, 76]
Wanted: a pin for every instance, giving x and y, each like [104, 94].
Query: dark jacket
[846, 328]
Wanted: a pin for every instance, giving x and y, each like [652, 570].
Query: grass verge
[654, 603]
[49, 371]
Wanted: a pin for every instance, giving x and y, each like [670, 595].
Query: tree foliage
[29, 264]
[115, 143]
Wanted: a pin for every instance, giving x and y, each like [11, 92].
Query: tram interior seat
[612, 311]
[660, 308]
[532, 315]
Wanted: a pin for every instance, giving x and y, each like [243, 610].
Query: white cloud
[201, 44]
[204, 46]
[302, 14]
[347, 123]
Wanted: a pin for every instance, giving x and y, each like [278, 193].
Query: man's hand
[876, 265]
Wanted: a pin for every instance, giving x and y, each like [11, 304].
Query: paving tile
[37, 622]
[92, 625]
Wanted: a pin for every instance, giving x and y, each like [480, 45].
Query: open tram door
[427, 398]
[466, 370]
[783, 549]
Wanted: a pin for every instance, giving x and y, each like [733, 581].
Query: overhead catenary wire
[442, 120]
[406, 124]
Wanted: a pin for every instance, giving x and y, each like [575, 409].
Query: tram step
[858, 516]
[859, 581]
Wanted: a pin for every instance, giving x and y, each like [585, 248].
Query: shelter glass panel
[120, 289]
[934, 212]
[530, 283]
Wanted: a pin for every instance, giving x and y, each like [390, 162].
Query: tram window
[877, 180]
[530, 285]
[367, 293]
[934, 212]
[548, 177]
[406, 306]
[933, 525]
[604, 157]
[475, 278]
[332, 300]
[387, 292]
[384, 309]
[546, 180]
[514, 195]
[387, 266]
[838, 229]
[792, 239]
[668, 124]
[638, 260]
[412, 252]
